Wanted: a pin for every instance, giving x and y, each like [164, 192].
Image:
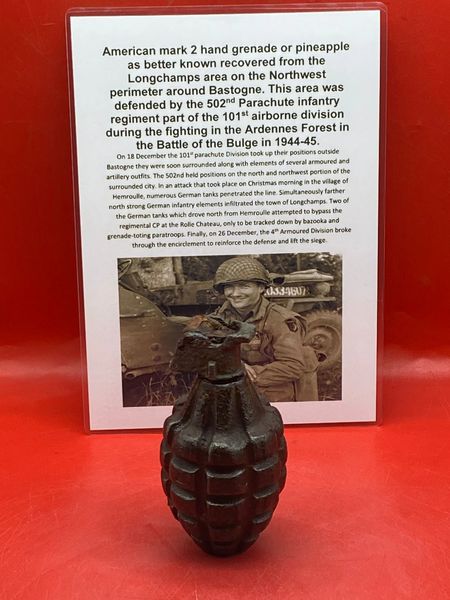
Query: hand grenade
[223, 454]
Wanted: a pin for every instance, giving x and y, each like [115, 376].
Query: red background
[365, 511]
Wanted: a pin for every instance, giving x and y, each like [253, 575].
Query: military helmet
[241, 268]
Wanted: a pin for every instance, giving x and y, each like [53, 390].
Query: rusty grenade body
[223, 453]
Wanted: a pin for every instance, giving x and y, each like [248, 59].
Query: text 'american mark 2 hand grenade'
[223, 454]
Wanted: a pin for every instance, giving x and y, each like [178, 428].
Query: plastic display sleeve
[230, 160]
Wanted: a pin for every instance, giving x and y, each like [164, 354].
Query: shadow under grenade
[223, 454]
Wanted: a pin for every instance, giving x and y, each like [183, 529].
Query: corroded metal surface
[223, 454]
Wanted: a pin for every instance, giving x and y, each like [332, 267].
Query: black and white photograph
[293, 300]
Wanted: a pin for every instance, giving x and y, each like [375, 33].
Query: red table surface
[365, 510]
[364, 514]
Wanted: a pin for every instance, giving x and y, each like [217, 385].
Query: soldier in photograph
[279, 365]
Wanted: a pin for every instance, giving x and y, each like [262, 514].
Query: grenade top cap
[242, 268]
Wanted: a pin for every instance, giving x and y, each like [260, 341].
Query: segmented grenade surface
[223, 462]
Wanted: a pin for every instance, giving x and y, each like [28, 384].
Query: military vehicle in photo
[153, 316]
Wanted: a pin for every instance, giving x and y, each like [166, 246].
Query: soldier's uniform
[285, 369]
